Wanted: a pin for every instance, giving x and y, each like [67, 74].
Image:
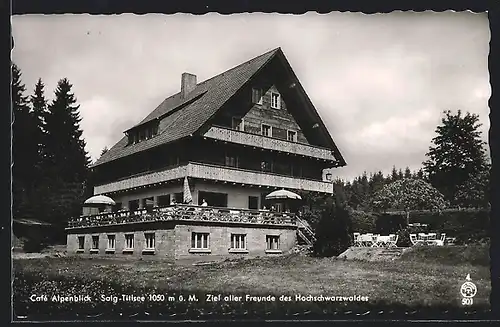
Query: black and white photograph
[173, 167]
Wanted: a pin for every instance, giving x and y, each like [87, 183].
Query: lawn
[423, 283]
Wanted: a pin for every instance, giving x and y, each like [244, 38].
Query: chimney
[188, 84]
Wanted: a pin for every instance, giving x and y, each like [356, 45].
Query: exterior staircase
[305, 233]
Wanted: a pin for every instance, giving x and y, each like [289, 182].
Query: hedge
[468, 226]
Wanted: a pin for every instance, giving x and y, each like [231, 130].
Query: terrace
[182, 212]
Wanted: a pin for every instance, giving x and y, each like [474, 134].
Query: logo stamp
[468, 290]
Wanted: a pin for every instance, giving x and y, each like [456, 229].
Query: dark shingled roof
[202, 103]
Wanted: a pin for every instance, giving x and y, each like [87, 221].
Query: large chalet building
[192, 177]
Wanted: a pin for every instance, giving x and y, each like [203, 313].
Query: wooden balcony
[216, 173]
[268, 143]
[250, 177]
[180, 212]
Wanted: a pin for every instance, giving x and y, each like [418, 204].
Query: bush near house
[363, 222]
[467, 225]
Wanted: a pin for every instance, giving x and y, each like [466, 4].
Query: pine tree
[24, 147]
[39, 111]
[407, 173]
[456, 155]
[103, 151]
[67, 160]
[394, 174]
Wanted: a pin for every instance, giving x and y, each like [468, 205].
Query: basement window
[272, 243]
[149, 245]
[111, 243]
[238, 242]
[199, 242]
[95, 244]
[129, 243]
[81, 243]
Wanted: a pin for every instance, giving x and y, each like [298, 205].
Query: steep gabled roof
[182, 118]
[208, 97]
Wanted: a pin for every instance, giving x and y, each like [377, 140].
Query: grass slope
[423, 278]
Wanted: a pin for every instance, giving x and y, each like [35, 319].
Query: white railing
[184, 212]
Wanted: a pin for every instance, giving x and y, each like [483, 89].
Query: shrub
[333, 232]
[362, 222]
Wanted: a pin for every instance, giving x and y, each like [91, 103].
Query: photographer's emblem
[468, 290]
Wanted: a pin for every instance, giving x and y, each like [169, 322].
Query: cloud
[380, 82]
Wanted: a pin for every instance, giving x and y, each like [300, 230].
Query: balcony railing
[260, 141]
[217, 173]
[180, 212]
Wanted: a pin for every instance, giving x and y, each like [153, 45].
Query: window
[133, 205]
[253, 202]
[111, 242]
[273, 242]
[199, 241]
[150, 241]
[178, 197]
[291, 136]
[81, 242]
[95, 242]
[257, 96]
[164, 200]
[231, 161]
[238, 124]
[238, 241]
[266, 130]
[129, 241]
[275, 101]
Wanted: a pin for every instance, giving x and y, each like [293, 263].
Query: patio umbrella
[99, 200]
[188, 198]
[282, 194]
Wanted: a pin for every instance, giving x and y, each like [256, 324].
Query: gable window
[81, 243]
[275, 101]
[199, 241]
[111, 242]
[129, 242]
[150, 241]
[291, 136]
[238, 241]
[273, 242]
[266, 130]
[257, 95]
[238, 124]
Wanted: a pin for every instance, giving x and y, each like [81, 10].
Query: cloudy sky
[380, 82]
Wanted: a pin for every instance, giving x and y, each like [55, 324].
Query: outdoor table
[381, 241]
[366, 239]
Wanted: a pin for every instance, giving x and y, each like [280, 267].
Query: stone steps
[372, 254]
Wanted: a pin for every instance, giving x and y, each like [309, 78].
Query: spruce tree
[39, 111]
[408, 173]
[24, 147]
[67, 160]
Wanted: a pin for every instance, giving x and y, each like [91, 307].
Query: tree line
[455, 174]
[50, 164]
[456, 166]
